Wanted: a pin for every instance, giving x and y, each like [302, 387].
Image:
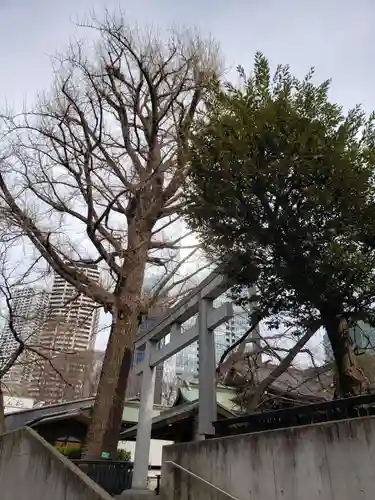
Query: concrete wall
[31, 469]
[332, 461]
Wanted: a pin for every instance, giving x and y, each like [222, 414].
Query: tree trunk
[120, 340]
[2, 412]
[123, 330]
[351, 381]
[112, 431]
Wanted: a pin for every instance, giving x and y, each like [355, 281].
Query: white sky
[335, 36]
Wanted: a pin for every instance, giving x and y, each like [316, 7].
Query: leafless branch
[103, 155]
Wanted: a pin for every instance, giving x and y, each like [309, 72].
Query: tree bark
[2, 412]
[351, 381]
[123, 330]
[120, 340]
[112, 431]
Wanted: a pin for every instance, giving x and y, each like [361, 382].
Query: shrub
[74, 452]
[124, 455]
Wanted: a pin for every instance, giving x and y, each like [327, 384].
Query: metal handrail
[201, 479]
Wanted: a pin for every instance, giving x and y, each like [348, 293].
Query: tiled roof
[65, 410]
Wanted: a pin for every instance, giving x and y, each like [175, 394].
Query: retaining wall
[31, 469]
[330, 461]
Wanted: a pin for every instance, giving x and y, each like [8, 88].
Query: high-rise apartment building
[73, 318]
[28, 312]
[187, 360]
[67, 337]
[231, 330]
[133, 389]
[29, 306]
[71, 377]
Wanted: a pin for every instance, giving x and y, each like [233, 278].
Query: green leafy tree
[281, 192]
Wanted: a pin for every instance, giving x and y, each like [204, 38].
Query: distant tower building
[68, 338]
[187, 360]
[231, 330]
[73, 318]
[29, 307]
[133, 389]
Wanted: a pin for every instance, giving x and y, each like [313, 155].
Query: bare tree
[96, 173]
[293, 362]
[254, 364]
[284, 364]
[24, 307]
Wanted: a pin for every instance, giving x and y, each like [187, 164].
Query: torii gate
[199, 301]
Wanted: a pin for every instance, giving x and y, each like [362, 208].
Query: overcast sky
[335, 36]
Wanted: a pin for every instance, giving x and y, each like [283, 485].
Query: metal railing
[338, 409]
[113, 476]
[207, 483]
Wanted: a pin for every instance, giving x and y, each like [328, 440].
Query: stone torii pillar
[142, 448]
[201, 303]
[207, 368]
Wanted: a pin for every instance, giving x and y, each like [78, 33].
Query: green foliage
[124, 455]
[74, 452]
[281, 192]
